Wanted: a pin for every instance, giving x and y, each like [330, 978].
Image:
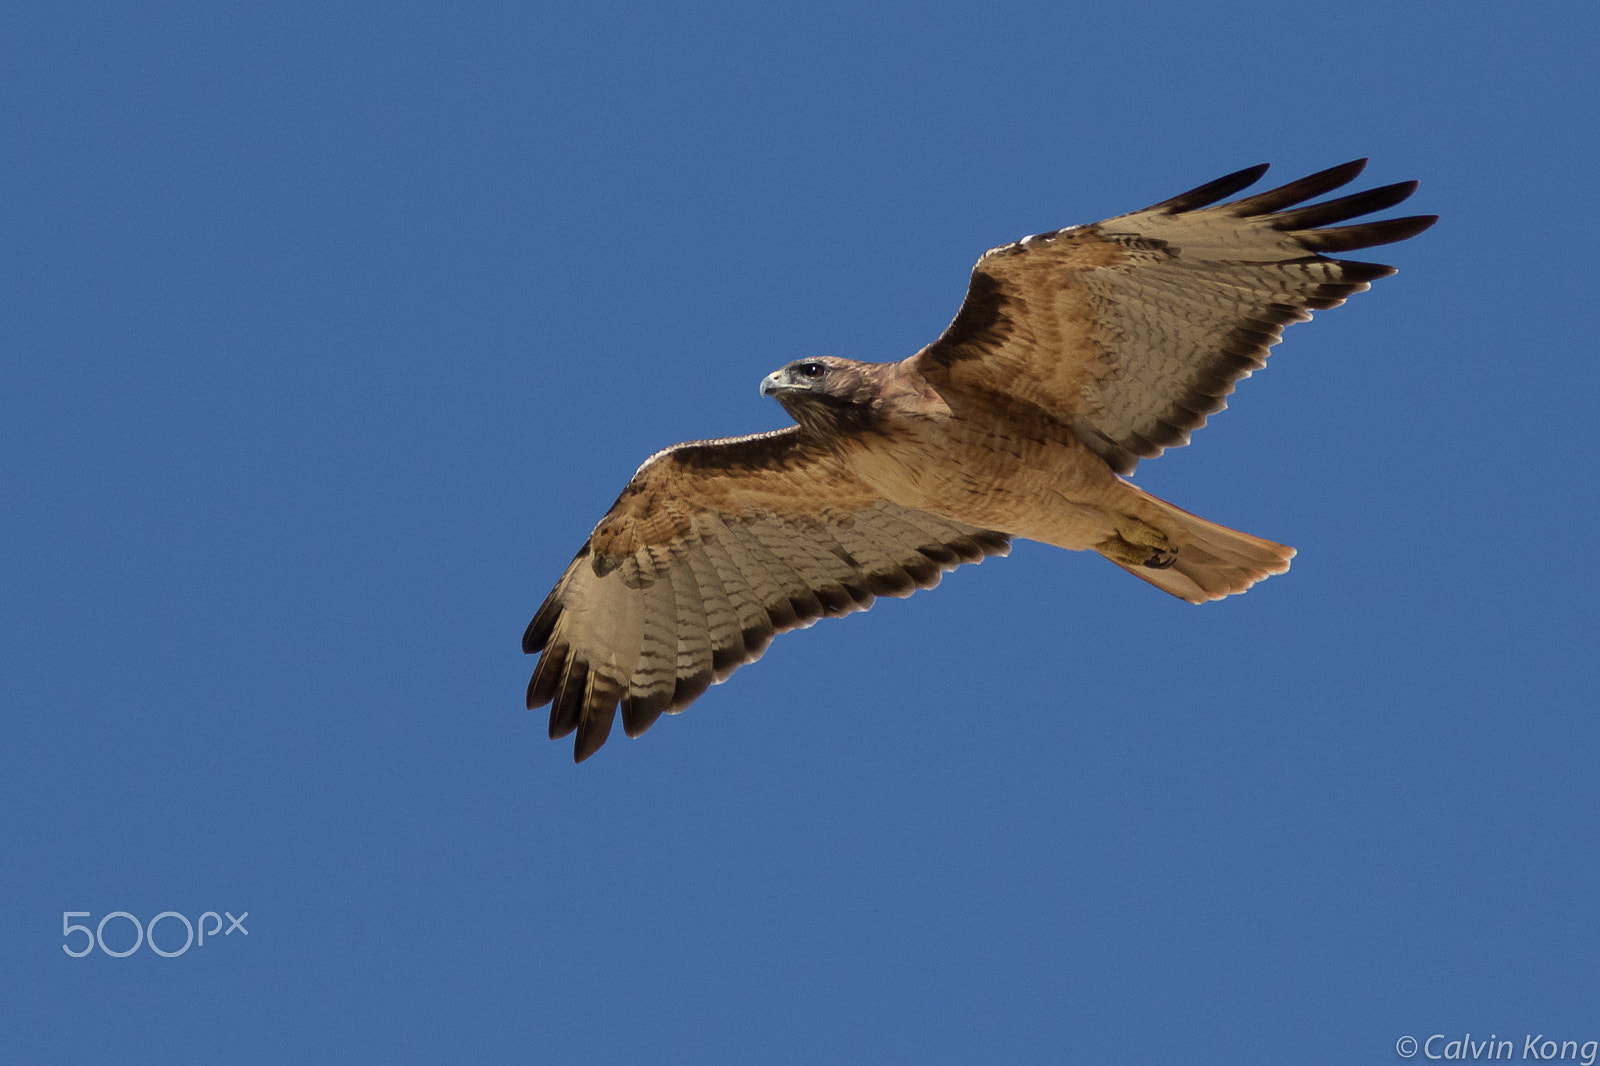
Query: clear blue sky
[330, 329]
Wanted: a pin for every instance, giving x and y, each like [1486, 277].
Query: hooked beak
[772, 384]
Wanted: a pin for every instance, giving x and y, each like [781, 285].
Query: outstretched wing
[1132, 330]
[712, 549]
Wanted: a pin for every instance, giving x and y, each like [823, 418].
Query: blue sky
[329, 331]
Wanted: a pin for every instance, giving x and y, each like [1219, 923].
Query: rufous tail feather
[1212, 561]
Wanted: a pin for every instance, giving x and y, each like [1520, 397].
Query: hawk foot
[1137, 544]
[1161, 559]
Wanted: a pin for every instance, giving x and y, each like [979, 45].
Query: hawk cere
[1074, 355]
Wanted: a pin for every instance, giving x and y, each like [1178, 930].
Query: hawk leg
[1137, 543]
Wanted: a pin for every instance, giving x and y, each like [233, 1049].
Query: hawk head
[825, 394]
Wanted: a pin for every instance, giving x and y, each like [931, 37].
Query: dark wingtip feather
[549, 612]
[1365, 234]
[1355, 276]
[543, 624]
[638, 716]
[1212, 191]
[1295, 192]
[1352, 206]
[559, 726]
[592, 732]
[568, 706]
[547, 676]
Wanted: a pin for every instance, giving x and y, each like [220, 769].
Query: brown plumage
[1074, 355]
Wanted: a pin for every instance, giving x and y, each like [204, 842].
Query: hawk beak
[772, 383]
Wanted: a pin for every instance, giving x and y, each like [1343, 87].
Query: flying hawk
[1074, 355]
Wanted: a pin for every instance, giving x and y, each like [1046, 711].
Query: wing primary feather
[544, 621]
[1270, 200]
[549, 612]
[1354, 276]
[547, 676]
[600, 711]
[1211, 191]
[1352, 206]
[637, 717]
[567, 710]
[1365, 234]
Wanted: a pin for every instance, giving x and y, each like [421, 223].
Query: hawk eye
[811, 370]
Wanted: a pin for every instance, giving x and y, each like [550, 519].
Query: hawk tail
[1212, 561]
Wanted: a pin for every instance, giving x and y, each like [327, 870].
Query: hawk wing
[712, 549]
[1132, 330]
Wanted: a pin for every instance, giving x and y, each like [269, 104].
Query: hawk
[1074, 355]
